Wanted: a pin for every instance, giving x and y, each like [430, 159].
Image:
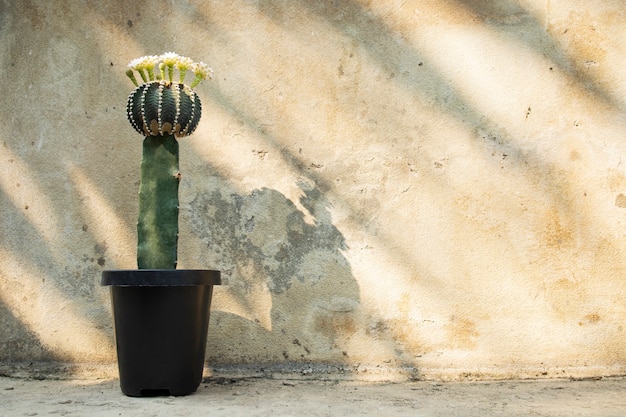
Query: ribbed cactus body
[157, 228]
[164, 108]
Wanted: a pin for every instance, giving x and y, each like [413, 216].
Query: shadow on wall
[17, 342]
[39, 284]
[293, 294]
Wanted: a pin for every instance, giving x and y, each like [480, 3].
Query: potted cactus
[161, 314]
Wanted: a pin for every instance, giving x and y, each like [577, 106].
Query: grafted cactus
[161, 110]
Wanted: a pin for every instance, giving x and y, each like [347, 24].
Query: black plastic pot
[161, 323]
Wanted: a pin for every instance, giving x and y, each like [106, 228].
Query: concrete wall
[436, 188]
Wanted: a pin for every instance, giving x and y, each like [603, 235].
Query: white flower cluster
[161, 67]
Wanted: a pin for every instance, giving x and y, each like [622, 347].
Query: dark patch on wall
[234, 225]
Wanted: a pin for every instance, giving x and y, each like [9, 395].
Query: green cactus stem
[157, 228]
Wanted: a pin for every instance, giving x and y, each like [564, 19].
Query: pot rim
[160, 277]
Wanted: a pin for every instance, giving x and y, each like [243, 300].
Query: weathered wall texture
[431, 186]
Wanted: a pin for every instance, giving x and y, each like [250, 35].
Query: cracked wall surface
[432, 188]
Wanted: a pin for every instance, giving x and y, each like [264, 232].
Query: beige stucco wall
[431, 187]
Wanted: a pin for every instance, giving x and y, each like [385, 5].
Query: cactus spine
[161, 110]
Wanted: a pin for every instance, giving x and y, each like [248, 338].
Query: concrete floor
[295, 397]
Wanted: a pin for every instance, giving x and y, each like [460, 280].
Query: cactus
[161, 110]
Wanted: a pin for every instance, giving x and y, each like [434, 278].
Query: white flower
[146, 65]
[202, 69]
[202, 72]
[169, 58]
[149, 62]
[136, 64]
[184, 63]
